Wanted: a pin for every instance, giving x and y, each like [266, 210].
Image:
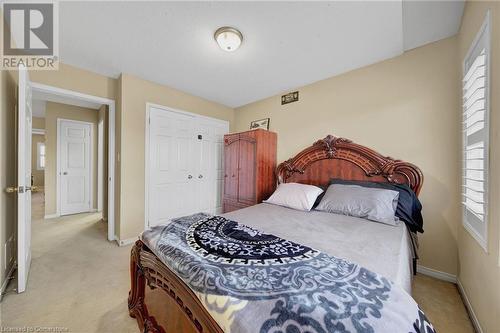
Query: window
[476, 135]
[40, 156]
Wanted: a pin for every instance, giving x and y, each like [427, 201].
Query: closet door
[204, 165]
[172, 157]
[185, 171]
[246, 169]
[209, 177]
[231, 153]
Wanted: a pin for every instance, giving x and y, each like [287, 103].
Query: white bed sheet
[382, 248]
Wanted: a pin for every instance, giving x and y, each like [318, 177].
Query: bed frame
[168, 304]
[334, 157]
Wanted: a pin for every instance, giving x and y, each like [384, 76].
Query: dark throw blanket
[250, 281]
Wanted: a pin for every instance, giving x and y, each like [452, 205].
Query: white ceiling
[286, 44]
[428, 21]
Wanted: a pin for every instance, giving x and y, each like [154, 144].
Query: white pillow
[370, 203]
[296, 196]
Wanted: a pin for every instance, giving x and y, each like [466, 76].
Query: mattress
[249, 279]
[382, 248]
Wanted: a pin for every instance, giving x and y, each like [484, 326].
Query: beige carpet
[80, 281]
[442, 304]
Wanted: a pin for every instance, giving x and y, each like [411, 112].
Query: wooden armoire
[249, 168]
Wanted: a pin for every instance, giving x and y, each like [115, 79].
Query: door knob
[11, 189]
[200, 176]
[65, 173]
[35, 189]
[189, 177]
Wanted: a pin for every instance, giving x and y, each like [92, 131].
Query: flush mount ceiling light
[229, 39]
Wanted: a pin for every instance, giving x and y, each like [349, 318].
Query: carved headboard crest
[372, 163]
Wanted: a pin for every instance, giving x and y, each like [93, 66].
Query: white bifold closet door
[185, 165]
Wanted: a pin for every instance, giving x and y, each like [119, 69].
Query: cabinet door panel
[231, 152]
[230, 206]
[246, 170]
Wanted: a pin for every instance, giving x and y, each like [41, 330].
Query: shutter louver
[475, 128]
[474, 86]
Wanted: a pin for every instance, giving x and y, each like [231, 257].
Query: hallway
[78, 280]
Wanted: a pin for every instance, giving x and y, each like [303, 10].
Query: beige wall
[53, 112]
[8, 86]
[135, 93]
[479, 272]
[80, 80]
[405, 107]
[38, 123]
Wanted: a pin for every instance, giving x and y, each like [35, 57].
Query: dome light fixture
[229, 39]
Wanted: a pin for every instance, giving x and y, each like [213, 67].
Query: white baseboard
[437, 274]
[52, 216]
[468, 306]
[6, 282]
[125, 242]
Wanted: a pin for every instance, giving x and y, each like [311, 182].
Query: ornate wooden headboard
[334, 157]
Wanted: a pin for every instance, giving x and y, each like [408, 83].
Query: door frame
[111, 140]
[100, 162]
[58, 164]
[150, 105]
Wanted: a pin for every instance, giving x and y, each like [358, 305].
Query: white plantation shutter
[475, 126]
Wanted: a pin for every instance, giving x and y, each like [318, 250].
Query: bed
[162, 300]
[380, 248]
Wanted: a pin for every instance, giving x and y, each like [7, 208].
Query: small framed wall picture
[261, 123]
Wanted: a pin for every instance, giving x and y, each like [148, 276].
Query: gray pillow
[370, 203]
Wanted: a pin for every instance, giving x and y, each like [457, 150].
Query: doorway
[27, 90]
[74, 194]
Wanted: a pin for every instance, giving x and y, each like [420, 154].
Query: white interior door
[75, 166]
[210, 175]
[184, 165]
[171, 165]
[24, 180]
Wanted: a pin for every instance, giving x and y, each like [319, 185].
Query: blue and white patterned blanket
[250, 281]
